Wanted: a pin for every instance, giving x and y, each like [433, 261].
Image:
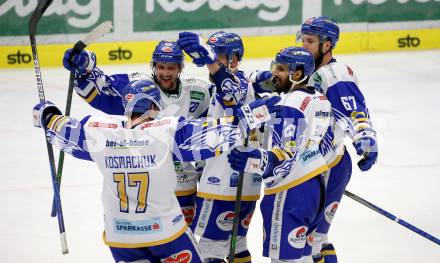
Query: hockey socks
[327, 255]
[243, 257]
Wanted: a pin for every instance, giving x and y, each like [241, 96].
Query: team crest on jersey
[188, 213]
[297, 237]
[330, 211]
[212, 138]
[224, 220]
[184, 256]
[247, 220]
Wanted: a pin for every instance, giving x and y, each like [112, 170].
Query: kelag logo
[408, 41]
[120, 54]
[19, 58]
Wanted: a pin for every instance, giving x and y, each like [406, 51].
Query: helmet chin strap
[294, 83]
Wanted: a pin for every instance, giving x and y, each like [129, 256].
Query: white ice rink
[402, 92]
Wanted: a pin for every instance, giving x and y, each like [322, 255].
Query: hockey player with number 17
[186, 97]
[142, 218]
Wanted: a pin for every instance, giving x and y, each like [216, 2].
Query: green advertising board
[351, 11]
[160, 15]
[61, 17]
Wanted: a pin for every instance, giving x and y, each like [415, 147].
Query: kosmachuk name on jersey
[126, 143]
[130, 162]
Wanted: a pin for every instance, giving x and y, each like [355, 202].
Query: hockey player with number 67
[143, 220]
[339, 83]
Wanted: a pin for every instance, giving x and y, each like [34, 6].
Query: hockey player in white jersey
[187, 97]
[292, 165]
[222, 54]
[143, 221]
[339, 83]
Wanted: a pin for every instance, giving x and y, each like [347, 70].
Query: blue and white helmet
[139, 95]
[296, 58]
[323, 27]
[226, 43]
[167, 52]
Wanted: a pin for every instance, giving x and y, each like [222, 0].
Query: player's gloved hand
[257, 112]
[42, 113]
[250, 160]
[196, 48]
[262, 81]
[81, 63]
[365, 144]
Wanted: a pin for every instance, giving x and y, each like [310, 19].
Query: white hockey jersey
[219, 181]
[294, 139]
[339, 84]
[191, 102]
[138, 197]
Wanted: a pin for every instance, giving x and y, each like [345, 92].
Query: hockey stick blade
[92, 36]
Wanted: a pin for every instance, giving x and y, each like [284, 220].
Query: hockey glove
[257, 112]
[200, 52]
[366, 145]
[250, 160]
[42, 113]
[262, 81]
[81, 63]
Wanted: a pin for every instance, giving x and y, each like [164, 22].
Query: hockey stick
[33, 24]
[392, 217]
[237, 209]
[91, 37]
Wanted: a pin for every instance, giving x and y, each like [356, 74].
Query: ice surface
[402, 92]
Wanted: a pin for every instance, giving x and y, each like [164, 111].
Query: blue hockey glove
[250, 160]
[42, 113]
[196, 48]
[81, 63]
[262, 81]
[257, 112]
[366, 146]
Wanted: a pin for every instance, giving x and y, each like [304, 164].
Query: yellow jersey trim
[336, 161]
[296, 182]
[92, 96]
[186, 192]
[245, 259]
[146, 244]
[328, 252]
[227, 197]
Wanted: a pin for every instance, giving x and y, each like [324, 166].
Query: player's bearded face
[280, 73]
[167, 75]
[311, 43]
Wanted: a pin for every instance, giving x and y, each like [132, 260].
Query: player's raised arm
[203, 139]
[221, 54]
[64, 132]
[98, 89]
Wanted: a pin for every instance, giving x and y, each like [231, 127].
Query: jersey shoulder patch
[103, 122]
